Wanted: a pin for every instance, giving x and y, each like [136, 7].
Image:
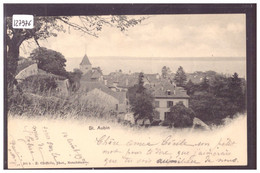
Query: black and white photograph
[127, 90]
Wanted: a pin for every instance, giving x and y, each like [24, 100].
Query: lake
[155, 64]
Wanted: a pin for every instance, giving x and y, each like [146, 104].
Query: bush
[180, 116]
[30, 104]
[38, 83]
[18, 103]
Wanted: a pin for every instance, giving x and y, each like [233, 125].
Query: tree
[141, 87]
[180, 77]
[204, 85]
[45, 27]
[190, 87]
[141, 100]
[74, 79]
[219, 86]
[49, 61]
[181, 116]
[214, 100]
[166, 72]
[236, 94]
[207, 107]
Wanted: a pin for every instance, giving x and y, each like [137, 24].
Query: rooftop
[24, 63]
[161, 91]
[85, 61]
[128, 80]
[92, 74]
[87, 86]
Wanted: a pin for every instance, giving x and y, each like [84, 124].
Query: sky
[159, 36]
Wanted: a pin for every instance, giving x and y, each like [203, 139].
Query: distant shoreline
[151, 65]
[167, 58]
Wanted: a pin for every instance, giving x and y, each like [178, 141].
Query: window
[157, 104]
[116, 107]
[169, 104]
[168, 92]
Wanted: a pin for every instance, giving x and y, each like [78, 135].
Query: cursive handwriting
[42, 147]
[106, 140]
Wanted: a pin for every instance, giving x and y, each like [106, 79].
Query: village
[111, 90]
[167, 99]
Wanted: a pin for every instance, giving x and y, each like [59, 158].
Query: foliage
[237, 95]
[49, 26]
[207, 107]
[141, 100]
[214, 100]
[166, 71]
[180, 77]
[38, 84]
[49, 61]
[190, 87]
[31, 104]
[219, 86]
[180, 116]
[44, 27]
[141, 82]
[74, 79]
[18, 103]
[204, 85]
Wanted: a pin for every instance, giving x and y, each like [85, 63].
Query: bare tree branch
[78, 27]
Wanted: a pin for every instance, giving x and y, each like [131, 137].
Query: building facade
[167, 95]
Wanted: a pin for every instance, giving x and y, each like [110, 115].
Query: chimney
[105, 81]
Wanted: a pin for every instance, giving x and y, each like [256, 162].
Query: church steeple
[85, 65]
[85, 61]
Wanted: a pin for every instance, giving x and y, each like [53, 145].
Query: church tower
[85, 65]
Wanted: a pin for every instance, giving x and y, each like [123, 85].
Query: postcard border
[143, 9]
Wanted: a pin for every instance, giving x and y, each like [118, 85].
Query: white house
[167, 95]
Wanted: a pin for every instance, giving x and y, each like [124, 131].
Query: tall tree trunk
[12, 63]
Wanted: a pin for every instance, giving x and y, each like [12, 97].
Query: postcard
[111, 88]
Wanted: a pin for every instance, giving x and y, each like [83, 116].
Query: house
[167, 94]
[92, 76]
[99, 94]
[90, 73]
[27, 68]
